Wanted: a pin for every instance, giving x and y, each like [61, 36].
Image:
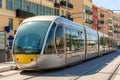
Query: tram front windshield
[30, 37]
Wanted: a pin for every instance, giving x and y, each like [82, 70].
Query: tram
[48, 42]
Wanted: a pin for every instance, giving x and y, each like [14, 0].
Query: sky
[109, 4]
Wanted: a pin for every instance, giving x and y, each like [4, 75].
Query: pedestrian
[8, 53]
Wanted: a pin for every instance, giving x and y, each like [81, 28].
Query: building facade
[82, 12]
[102, 20]
[13, 12]
[95, 17]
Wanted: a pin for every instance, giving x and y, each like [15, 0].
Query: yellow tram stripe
[25, 58]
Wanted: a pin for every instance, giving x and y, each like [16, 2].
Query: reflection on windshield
[30, 37]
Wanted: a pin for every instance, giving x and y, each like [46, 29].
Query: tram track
[112, 76]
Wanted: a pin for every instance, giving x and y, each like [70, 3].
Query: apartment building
[102, 20]
[13, 12]
[82, 12]
[110, 23]
[95, 17]
[116, 25]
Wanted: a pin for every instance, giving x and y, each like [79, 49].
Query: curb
[8, 68]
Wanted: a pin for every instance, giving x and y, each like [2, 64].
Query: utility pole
[66, 8]
[59, 7]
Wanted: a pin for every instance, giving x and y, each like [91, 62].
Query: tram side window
[101, 43]
[94, 42]
[59, 37]
[88, 41]
[49, 48]
[75, 40]
[81, 41]
[104, 41]
[68, 40]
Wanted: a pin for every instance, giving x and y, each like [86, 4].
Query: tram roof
[41, 18]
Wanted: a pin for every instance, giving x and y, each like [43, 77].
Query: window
[56, 11]
[42, 10]
[59, 40]
[30, 37]
[52, 11]
[0, 3]
[26, 5]
[17, 4]
[9, 4]
[75, 41]
[11, 23]
[63, 12]
[48, 11]
[50, 48]
[68, 40]
[92, 42]
[35, 8]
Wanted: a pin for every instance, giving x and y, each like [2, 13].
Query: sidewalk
[6, 66]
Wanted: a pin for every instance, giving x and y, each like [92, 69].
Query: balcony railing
[110, 27]
[116, 31]
[101, 21]
[89, 21]
[63, 3]
[110, 33]
[99, 27]
[56, 5]
[115, 25]
[70, 5]
[101, 15]
[23, 14]
[88, 11]
[68, 17]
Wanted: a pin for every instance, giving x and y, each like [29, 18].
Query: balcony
[88, 11]
[110, 33]
[99, 28]
[89, 21]
[101, 21]
[56, 5]
[23, 14]
[68, 17]
[110, 27]
[116, 31]
[115, 25]
[69, 5]
[101, 15]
